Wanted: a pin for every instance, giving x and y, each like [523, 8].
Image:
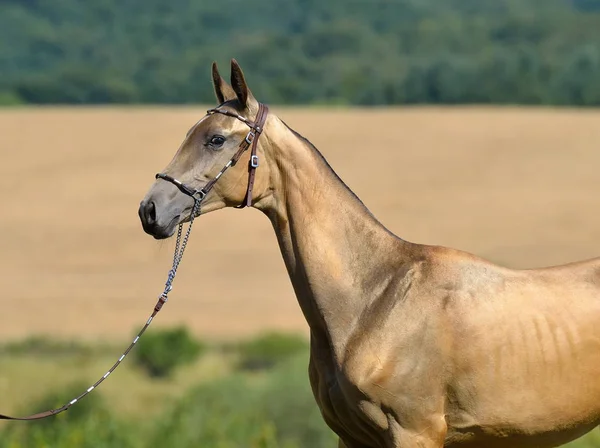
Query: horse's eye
[217, 140]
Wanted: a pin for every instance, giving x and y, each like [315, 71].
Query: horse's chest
[344, 408]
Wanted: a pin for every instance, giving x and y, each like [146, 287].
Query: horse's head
[218, 138]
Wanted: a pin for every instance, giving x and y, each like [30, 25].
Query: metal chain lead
[180, 245]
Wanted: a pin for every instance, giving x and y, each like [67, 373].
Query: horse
[411, 345]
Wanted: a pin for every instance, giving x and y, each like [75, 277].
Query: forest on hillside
[365, 52]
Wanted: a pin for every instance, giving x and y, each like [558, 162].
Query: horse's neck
[337, 254]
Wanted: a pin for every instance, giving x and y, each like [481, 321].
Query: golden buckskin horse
[411, 345]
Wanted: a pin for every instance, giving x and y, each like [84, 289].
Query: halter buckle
[250, 137]
[254, 161]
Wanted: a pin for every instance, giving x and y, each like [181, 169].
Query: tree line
[362, 52]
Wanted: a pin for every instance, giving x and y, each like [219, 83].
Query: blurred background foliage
[262, 408]
[364, 52]
[230, 407]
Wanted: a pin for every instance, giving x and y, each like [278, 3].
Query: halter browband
[251, 139]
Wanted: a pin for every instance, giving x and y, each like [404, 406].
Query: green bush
[268, 349]
[160, 352]
[272, 411]
[221, 414]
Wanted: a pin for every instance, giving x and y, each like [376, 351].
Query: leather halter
[251, 139]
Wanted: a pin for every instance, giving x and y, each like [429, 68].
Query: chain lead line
[180, 245]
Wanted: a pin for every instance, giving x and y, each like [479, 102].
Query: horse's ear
[238, 82]
[223, 91]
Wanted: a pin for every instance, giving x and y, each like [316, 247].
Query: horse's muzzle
[151, 223]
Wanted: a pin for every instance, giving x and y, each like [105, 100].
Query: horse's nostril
[151, 212]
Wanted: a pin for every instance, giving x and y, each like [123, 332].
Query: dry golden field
[518, 186]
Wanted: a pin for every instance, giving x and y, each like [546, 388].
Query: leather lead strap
[34, 416]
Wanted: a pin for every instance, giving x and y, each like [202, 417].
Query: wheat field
[519, 186]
